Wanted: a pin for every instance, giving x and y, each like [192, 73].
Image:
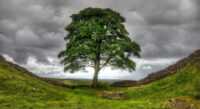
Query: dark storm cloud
[163, 28]
[168, 12]
[170, 28]
[31, 28]
[197, 2]
[166, 42]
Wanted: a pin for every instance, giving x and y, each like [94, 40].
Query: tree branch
[107, 61]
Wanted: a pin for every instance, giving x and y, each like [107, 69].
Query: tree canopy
[98, 38]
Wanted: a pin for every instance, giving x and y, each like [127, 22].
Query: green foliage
[97, 37]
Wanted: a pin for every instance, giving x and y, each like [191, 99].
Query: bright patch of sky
[144, 67]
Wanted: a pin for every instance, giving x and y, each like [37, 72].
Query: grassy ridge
[19, 90]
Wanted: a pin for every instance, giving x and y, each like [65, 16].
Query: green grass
[18, 90]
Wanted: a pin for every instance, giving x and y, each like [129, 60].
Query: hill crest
[194, 58]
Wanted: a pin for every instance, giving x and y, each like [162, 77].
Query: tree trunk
[95, 78]
[96, 64]
[96, 72]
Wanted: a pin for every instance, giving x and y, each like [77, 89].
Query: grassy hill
[19, 89]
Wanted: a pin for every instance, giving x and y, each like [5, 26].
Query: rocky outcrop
[193, 58]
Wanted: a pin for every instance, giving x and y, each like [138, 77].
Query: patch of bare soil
[113, 95]
[179, 104]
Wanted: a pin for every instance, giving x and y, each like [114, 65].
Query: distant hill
[177, 87]
[193, 59]
[20, 89]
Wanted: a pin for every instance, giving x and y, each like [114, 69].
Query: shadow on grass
[100, 86]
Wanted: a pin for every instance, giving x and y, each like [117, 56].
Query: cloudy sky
[32, 32]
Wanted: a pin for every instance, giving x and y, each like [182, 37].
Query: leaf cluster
[98, 34]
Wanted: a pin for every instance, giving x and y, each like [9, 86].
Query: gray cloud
[163, 28]
[166, 41]
[31, 28]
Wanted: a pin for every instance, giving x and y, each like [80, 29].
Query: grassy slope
[18, 90]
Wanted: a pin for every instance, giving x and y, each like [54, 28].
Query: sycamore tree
[98, 38]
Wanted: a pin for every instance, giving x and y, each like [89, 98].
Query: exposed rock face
[194, 57]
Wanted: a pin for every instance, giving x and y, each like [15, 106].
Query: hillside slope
[19, 89]
[192, 59]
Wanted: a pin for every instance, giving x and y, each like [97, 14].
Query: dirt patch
[113, 95]
[179, 104]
